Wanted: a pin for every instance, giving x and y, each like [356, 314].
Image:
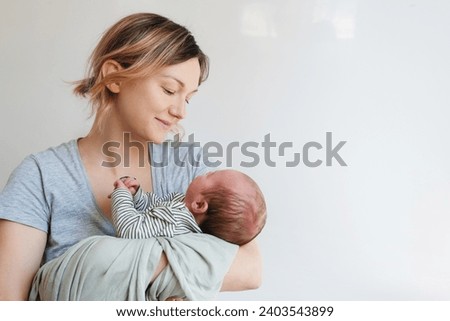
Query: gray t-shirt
[50, 191]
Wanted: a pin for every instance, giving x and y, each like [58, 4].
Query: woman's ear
[109, 67]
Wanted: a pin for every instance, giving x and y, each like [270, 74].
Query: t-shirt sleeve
[23, 197]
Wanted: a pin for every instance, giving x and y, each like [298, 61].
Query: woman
[142, 74]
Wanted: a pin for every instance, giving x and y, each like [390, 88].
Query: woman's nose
[178, 110]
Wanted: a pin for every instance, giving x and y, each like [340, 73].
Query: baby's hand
[131, 183]
[126, 182]
[119, 184]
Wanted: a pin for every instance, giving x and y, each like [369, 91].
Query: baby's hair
[141, 43]
[233, 217]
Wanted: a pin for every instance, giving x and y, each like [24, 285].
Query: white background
[375, 73]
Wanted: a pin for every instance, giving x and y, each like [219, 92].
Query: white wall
[375, 73]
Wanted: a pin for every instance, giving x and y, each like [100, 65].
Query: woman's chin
[157, 139]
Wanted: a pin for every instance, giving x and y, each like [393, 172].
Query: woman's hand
[21, 251]
[246, 270]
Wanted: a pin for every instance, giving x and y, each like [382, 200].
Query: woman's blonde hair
[141, 43]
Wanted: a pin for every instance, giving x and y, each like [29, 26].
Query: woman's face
[149, 108]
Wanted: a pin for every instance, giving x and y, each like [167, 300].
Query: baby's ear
[199, 206]
[199, 209]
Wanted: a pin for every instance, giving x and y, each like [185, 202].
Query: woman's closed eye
[168, 91]
[171, 92]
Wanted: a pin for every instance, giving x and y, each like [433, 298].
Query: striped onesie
[147, 215]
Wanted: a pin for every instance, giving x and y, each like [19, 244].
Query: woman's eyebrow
[178, 81]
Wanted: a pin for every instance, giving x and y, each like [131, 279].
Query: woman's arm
[246, 270]
[21, 250]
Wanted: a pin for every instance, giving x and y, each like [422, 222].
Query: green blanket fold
[115, 269]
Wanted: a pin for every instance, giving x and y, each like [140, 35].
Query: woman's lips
[165, 123]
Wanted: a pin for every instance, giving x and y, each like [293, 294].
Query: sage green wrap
[116, 269]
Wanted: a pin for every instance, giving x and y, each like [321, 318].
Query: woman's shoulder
[62, 152]
[32, 185]
[57, 162]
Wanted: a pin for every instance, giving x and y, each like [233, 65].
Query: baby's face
[227, 178]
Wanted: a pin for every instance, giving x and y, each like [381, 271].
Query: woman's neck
[113, 145]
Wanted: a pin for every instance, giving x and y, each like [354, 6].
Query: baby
[226, 203]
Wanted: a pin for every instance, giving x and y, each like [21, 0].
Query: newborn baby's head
[227, 204]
